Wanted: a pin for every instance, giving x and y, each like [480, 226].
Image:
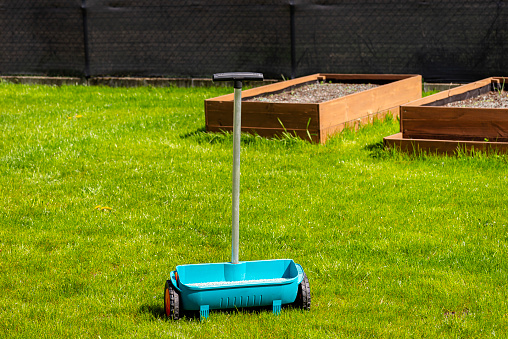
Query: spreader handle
[237, 77]
[232, 76]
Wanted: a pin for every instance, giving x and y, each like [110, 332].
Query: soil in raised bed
[314, 93]
[488, 100]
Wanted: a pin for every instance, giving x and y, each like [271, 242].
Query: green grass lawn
[103, 191]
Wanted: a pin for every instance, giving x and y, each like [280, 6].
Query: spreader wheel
[303, 297]
[171, 301]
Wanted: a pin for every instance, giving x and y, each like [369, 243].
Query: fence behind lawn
[454, 40]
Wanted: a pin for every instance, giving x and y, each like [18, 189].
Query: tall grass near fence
[103, 191]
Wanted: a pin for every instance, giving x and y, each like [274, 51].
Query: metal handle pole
[237, 78]
[237, 129]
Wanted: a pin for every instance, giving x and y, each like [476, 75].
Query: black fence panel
[444, 40]
[188, 38]
[41, 37]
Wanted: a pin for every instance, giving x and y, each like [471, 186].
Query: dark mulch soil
[314, 93]
[488, 100]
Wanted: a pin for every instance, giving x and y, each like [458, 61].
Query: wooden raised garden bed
[428, 124]
[314, 120]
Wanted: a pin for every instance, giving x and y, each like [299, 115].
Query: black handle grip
[237, 76]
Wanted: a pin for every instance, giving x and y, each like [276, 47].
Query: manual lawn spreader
[236, 284]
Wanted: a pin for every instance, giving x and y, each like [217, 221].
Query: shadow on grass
[201, 136]
[158, 313]
[377, 150]
[193, 133]
[194, 315]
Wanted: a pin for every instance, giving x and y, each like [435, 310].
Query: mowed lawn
[103, 191]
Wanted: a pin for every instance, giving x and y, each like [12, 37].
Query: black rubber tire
[303, 296]
[171, 301]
